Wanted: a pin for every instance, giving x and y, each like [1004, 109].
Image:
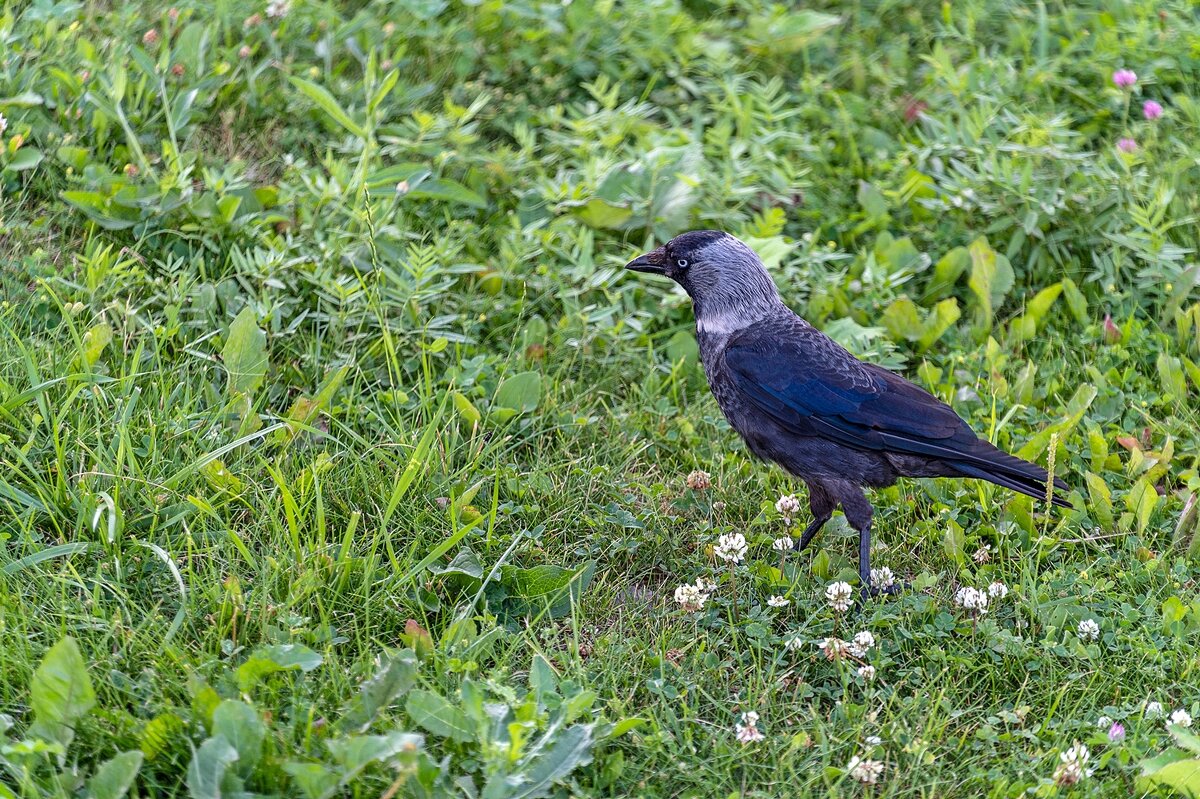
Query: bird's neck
[724, 319]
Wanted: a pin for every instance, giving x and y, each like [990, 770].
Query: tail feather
[1009, 471]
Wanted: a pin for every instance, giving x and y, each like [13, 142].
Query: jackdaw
[801, 400]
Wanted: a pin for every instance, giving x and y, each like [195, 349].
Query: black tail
[997, 466]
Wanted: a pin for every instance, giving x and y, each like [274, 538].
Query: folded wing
[811, 386]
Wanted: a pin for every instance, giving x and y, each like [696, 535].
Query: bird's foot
[870, 591]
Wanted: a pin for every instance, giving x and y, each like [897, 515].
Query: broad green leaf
[902, 320]
[313, 779]
[207, 770]
[355, 752]
[219, 477]
[947, 271]
[521, 392]
[779, 34]
[1076, 302]
[537, 774]
[160, 734]
[991, 280]
[601, 214]
[25, 158]
[1182, 776]
[940, 319]
[1171, 377]
[466, 409]
[873, 203]
[682, 347]
[114, 777]
[464, 569]
[245, 353]
[1173, 612]
[547, 585]
[1077, 406]
[1100, 499]
[239, 724]
[267, 660]
[95, 340]
[449, 191]
[61, 693]
[394, 677]
[435, 714]
[327, 103]
[1141, 501]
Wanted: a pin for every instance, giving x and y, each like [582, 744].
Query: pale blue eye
[682, 263]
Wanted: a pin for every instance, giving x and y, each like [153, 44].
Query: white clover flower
[3, 124]
[747, 729]
[972, 600]
[873, 740]
[997, 590]
[840, 596]
[784, 544]
[707, 586]
[788, 506]
[793, 644]
[779, 602]
[278, 9]
[731, 547]
[883, 578]
[1104, 722]
[1154, 710]
[868, 772]
[1073, 765]
[983, 554]
[1181, 717]
[861, 644]
[1088, 630]
[691, 597]
[867, 672]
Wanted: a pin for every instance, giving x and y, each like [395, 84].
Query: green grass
[343, 459]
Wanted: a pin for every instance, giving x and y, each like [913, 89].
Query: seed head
[150, 37]
[699, 481]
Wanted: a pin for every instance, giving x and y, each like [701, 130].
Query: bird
[802, 401]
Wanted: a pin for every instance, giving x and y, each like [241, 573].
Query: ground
[339, 456]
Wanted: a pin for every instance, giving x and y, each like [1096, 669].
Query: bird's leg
[813, 528]
[821, 503]
[859, 512]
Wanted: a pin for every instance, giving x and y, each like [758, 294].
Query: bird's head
[723, 276]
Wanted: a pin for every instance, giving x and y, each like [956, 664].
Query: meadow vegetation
[339, 457]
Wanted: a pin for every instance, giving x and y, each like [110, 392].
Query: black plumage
[801, 400]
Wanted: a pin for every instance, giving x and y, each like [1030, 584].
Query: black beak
[651, 262]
